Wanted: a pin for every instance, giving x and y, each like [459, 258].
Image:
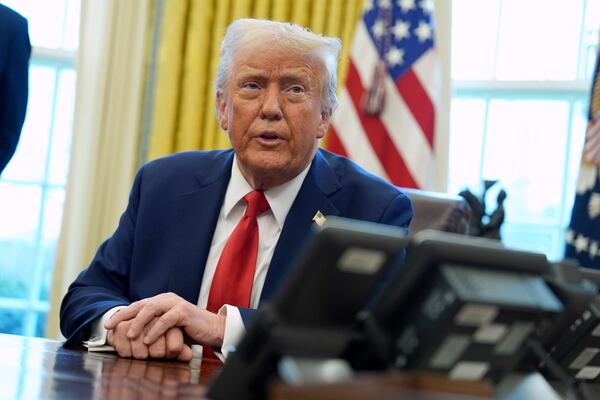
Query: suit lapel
[319, 184]
[198, 212]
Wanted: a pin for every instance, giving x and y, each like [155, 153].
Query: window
[32, 188]
[521, 72]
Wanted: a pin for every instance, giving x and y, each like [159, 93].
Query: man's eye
[250, 85]
[296, 89]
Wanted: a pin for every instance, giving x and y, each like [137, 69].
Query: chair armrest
[439, 211]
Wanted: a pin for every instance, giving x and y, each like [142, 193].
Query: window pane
[590, 38]
[11, 321]
[467, 119]
[19, 213]
[525, 150]
[533, 136]
[592, 16]
[541, 239]
[539, 39]
[40, 326]
[61, 132]
[53, 211]
[29, 161]
[71, 28]
[474, 27]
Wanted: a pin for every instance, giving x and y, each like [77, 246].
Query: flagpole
[443, 32]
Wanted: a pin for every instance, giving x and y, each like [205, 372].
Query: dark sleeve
[398, 212]
[247, 315]
[105, 283]
[14, 77]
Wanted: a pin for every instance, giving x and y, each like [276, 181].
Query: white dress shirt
[270, 224]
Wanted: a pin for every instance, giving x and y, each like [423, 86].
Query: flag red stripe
[334, 143]
[418, 102]
[378, 135]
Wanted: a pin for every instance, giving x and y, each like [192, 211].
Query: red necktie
[234, 275]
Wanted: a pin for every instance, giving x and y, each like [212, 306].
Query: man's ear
[221, 106]
[324, 124]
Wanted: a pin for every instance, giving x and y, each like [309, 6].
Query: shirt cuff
[97, 340]
[234, 330]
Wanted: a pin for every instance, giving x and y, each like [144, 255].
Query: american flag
[386, 117]
[583, 235]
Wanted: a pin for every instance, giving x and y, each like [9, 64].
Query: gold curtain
[104, 151]
[182, 115]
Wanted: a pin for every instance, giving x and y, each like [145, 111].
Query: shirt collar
[280, 198]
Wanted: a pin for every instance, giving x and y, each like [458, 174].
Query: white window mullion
[53, 57]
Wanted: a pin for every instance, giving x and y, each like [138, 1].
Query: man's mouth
[269, 138]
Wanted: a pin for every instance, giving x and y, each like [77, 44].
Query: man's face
[272, 110]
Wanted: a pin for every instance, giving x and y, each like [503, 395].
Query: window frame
[31, 306]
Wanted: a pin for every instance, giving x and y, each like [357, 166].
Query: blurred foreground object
[15, 50]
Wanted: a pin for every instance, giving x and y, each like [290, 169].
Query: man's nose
[271, 107]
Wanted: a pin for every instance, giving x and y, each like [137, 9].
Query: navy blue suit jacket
[164, 236]
[14, 69]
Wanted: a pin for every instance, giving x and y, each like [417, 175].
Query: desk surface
[34, 368]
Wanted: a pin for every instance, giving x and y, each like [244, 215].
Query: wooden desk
[388, 386]
[33, 368]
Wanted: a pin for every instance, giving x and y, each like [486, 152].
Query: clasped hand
[155, 327]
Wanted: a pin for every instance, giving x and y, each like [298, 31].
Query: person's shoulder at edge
[11, 19]
[350, 173]
[366, 196]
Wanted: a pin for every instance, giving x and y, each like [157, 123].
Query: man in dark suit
[208, 235]
[15, 50]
